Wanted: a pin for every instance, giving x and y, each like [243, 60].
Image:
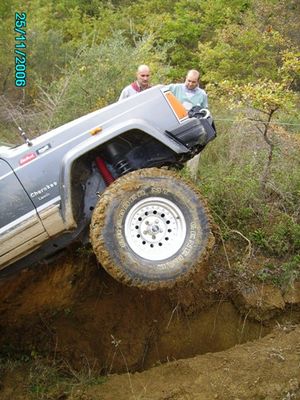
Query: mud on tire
[151, 229]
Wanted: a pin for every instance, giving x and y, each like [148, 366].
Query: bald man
[141, 83]
[189, 93]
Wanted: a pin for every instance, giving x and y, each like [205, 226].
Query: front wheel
[151, 229]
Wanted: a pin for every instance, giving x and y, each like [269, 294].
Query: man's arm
[124, 94]
[205, 100]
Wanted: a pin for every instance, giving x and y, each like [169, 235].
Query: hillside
[67, 327]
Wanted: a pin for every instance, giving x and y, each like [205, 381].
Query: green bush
[229, 175]
[283, 275]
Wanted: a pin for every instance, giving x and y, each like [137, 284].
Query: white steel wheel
[155, 228]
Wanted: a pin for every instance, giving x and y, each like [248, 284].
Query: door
[21, 230]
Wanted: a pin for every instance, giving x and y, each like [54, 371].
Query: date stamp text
[20, 49]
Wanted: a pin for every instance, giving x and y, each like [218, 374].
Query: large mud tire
[151, 229]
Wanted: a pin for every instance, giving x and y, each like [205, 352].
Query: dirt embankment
[73, 311]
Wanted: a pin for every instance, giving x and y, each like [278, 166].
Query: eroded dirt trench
[74, 311]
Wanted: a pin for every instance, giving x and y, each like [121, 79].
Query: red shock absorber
[104, 171]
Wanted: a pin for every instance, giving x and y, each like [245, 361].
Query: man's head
[143, 76]
[192, 79]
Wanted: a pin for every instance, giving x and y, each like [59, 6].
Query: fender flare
[95, 141]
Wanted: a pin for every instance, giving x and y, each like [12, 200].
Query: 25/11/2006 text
[20, 46]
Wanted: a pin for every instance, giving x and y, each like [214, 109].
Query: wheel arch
[95, 144]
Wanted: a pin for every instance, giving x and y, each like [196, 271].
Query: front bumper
[194, 132]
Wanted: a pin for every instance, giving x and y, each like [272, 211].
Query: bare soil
[209, 338]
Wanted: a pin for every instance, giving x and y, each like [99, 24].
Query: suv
[106, 177]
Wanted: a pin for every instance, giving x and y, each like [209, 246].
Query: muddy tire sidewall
[109, 238]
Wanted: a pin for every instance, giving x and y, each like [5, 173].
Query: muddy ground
[213, 337]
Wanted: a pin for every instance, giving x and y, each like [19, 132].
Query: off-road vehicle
[110, 176]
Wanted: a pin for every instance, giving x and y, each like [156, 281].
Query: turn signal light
[177, 107]
[95, 130]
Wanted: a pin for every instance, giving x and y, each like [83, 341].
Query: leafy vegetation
[283, 275]
[47, 379]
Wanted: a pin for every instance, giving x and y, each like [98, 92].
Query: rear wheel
[151, 229]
